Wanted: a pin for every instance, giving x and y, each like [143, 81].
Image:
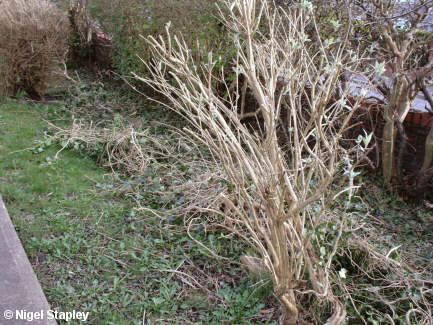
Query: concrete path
[21, 298]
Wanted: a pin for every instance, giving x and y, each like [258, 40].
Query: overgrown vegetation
[72, 211]
[239, 200]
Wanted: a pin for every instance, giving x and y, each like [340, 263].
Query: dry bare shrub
[277, 199]
[33, 35]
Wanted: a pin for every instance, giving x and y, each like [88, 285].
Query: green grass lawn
[93, 252]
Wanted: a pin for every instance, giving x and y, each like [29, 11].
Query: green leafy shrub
[125, 21]
[33, 37]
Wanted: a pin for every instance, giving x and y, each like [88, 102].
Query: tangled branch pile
[33, 39]
[122, 147]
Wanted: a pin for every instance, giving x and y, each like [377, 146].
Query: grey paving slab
[21, 296]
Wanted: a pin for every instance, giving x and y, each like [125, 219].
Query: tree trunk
[428, 153]
[388, 150]
[396, 110]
